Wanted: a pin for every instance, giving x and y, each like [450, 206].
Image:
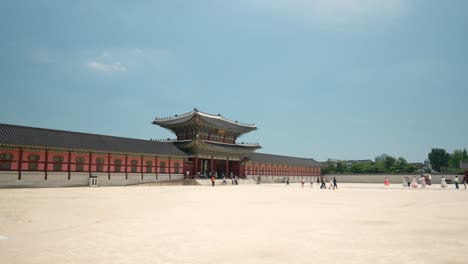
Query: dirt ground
[359, 223]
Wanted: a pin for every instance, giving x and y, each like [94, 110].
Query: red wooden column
[108, 165]
[240, 168]
[141, 167]
[69, 165]
[169, 168]
[46, 164]
[126, 172]
[20, 163]
[90, 163]
[156, 166]
[195, 167]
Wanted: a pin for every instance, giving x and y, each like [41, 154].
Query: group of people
[224, 182]
[427, 180]
[321, 180]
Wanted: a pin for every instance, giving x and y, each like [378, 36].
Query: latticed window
[99, 164]
[176, 167]
[162, 167]
[117, 165]
[33, 162]
[80, 163]
[133, 167]
[58, 162]
[149, 164]
[5, 161]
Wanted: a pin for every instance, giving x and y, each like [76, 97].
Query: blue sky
[347, 79]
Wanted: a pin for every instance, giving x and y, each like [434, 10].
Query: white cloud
[106, 67]
[123, 60]
[338, 14]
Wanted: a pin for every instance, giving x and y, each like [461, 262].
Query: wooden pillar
[141, 167]
[169, 168]
[90, 163]
[126, 172]
[108, 165]
[20, 163]
[46, 164]
[156, 166]
[69, 165]
[195, 166]
[240, 168]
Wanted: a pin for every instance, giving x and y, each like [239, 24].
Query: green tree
[389, 164]
[330, 168]
[455, 158]
[410, 168]
[379, 166]
[438, 158]
[358, 168]
[401, 165]
[340, 167]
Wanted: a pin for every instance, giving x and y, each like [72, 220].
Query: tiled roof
[59, 139]
[464, 164]
[270, 158]
[213, 120]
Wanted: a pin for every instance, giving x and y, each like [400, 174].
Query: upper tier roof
[217, 121]
[22, 136]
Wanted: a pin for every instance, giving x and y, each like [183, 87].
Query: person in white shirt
[456, 181]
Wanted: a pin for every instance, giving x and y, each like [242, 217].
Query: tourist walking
[322, 183]
[302, 182]
[312, 182]
[408, 181]
[287, 180]
[423, 181]
[414, 183]
[443, 183]
[334, 183]
[429, 179]
[235, 180]
[212, 181]
[465, 179]
[224, 181]
[456, 182]
[331, 185]
[318, 180]
[404, 183]
[386, 182]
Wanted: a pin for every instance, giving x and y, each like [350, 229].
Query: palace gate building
[204, 144]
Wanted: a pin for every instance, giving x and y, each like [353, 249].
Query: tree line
[440, 160]
[444, 162]
[388, 164]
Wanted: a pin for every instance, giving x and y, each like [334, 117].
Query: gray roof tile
[59, 139]
[270, 158]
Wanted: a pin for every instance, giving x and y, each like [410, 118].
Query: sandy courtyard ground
[234, 224]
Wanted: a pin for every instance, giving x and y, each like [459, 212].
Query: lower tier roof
[279, 159]
[23, 136]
